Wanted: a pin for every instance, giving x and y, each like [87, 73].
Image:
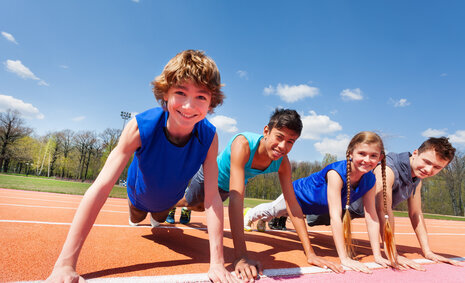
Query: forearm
[301, 229]
[83, 221]
[236, 207]
[338, 236]
[419, 226]
[215, 216]
[373, 228]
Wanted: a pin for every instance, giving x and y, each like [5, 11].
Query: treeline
[63, 154]
[81, 155]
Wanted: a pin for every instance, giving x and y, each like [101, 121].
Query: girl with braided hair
[332, 190]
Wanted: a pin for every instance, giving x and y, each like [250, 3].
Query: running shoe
[170, 217]
[273, 224]
[261, 225]
[185, 216]
[282, 223]
[154, 222]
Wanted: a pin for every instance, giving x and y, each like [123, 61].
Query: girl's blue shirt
[160, 170]
[312, 191]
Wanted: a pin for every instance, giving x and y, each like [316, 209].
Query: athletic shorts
[355, 209]
[195, 192]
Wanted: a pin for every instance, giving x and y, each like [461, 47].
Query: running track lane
[34, 226]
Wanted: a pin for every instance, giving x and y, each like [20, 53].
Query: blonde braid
[346, 220]
[388, 234]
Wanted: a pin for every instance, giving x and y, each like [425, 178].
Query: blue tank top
[224, 161]
[404, 185]
[312, 191]
[160, 170]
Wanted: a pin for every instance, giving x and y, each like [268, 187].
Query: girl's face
[187, 104]
[365, 157]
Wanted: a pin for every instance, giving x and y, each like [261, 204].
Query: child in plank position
[404, 174]
[333, 189]
[170, 144]
[246, 156]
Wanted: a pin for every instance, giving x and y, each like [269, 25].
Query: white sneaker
[132, 223]
[261, 226]
[154, 222]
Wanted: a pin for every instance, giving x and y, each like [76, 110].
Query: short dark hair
[285, 118]
[441, 146]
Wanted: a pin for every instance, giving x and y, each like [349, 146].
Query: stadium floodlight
[125, 116]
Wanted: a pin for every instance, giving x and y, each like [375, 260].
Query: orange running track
[34, 226]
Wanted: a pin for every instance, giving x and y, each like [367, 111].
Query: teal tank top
[224, 161]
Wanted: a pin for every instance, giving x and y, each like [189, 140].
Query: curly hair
[190, 65]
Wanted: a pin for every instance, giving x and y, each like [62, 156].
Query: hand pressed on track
[64, 274]
[248, 269]
[355, 265]
[323, 263]
[217, 273]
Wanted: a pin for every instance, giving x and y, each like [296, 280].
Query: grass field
[31, 183]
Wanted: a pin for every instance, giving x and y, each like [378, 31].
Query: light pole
[125, 116]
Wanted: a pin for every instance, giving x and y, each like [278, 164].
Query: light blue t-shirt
[224, 161]
[160, 170]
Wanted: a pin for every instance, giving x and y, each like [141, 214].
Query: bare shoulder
[130, 137]
[390, 176]
[240, 146]
[333, 178]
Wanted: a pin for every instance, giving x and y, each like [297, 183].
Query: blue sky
[394, 67]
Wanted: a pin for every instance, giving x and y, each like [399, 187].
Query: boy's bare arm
[419, 226]
[295, 213]
[93, 201]
[240, 154]
[215, 218]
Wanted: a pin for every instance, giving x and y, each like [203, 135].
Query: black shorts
[195, 192]
[355, 209]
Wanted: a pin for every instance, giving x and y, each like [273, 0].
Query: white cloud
[352, 94]
[78, 118]
[64, 67]
[26, 109]
[135, 1]
[443, 75]
[401, 102]
[243, 74]
[292, 93]
[224, 123]
[337, 146]
[458, 137]
[9, 37]
[316, 125]
[19, 69]
[269, 90]
[434, 133]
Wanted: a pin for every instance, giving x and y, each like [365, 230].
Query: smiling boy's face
[426, 164]
[187, 104]
[279, 142]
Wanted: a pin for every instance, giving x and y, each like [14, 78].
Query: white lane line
[192, 228]
[61, 201]
[74, 208]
